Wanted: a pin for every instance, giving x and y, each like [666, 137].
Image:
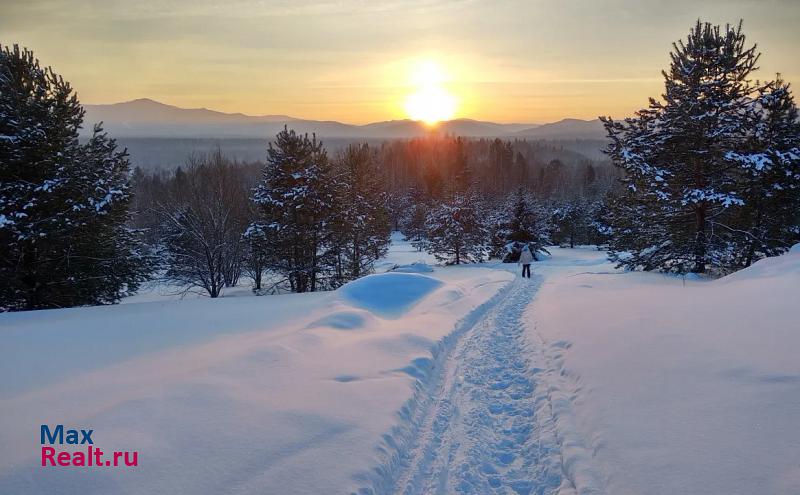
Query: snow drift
[389, 294]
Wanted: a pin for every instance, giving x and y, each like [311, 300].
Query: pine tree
[502, 158]
[522, 171]
[598, 228]
[683, 159]
[414, 225]
[63, 205]
[571, 222]
[295, 199]
[767, 223]
[528, 223]
[461, 180]
[361, 227]
[455, 232]
[497, 231]
[256, 259]
[397, 206]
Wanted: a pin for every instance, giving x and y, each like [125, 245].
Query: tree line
[705, 179]
[301, 222]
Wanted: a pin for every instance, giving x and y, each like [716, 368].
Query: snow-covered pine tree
[63, 205]
[768, 223]
[675, 155]
[398, 205]
[571, 222]
[416, 227]
[599, 230]
[497, 230]
[528, 223]
[455, 231]
[361, 227]
[413, 227]
[256, 260]
[295, 199]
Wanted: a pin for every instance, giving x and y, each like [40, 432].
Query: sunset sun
[431, 102]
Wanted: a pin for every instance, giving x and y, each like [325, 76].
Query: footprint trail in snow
[484, 429]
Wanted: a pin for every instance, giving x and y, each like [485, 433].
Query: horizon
[293, 117]
[430, 60]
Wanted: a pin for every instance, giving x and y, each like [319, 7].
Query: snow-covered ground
[275, 394]
[400, 253]
[675, 387]
[457, 380]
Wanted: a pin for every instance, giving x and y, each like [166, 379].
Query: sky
[359, 61]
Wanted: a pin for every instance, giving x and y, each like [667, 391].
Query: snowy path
[483, 428]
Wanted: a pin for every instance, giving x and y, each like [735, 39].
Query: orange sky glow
[358, 62]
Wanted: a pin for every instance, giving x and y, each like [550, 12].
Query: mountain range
[148, 118]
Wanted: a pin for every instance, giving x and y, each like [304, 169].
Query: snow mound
[389, 294]
[777, 266]
[343, 320]
[417, 267]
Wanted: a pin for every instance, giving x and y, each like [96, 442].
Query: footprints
[419, 368]
[482, 434]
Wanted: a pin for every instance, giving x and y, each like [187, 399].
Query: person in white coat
[525, 259]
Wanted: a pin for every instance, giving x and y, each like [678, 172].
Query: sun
[431, 102]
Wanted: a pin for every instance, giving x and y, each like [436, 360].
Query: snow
[583, 380]
[389, 294]
[757, 161]
[417, 267]
[480, 425]
[402, 253]
[402, 257]
[275, 394]
[676, 386]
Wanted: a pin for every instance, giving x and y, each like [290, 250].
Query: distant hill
[145, 118]
[566, 129]
[145, 110]
[149, 118]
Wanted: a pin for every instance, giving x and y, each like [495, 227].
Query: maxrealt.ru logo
[90, 456]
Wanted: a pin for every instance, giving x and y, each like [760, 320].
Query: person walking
[525, 259]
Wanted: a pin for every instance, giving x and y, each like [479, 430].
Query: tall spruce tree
[295, 199]
[63, 205]
[686, 159]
